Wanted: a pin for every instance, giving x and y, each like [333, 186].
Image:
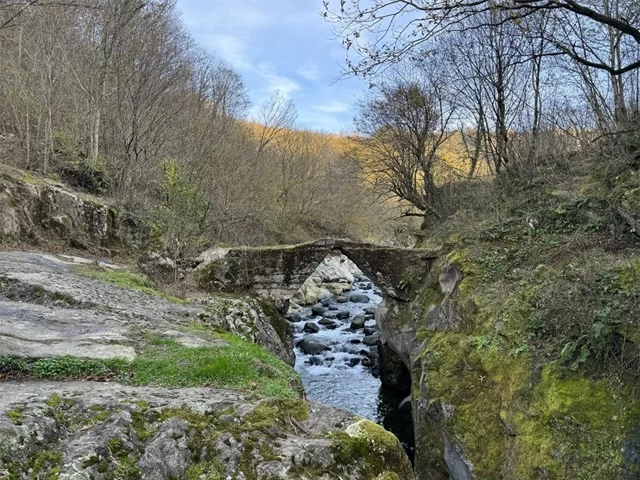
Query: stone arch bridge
[279, 271]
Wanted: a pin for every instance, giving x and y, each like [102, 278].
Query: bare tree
[274, 115]
[404, 123]
[383, 32]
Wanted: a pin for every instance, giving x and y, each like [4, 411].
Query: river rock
[357, 323]
[370, 330]
[367, 362]
[330, 324]
[337, 288]
[355, 341]
[331, 315]
[371, 339]
[359, 298]
[341, 299]
[318, 309]
[315, 360]
[310, 292]
[295, 318]
[370, 310]
[343, 315]
[369, 317]
[312, 347]
[310, 327]
[326, 301]
[332, 307]
[353, 361]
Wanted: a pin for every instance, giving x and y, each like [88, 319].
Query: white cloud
[335, 106]
[275, 81]
[309, 71]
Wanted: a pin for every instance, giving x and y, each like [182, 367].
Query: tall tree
[403, 124]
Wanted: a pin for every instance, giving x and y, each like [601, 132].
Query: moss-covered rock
[377, 451]
[532, 374]
[112, 431]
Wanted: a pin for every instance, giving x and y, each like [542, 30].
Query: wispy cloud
[275, 81]
[335, 106]
[309, 71]
[279, 45]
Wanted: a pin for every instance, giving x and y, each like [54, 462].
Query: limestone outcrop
[335, 275]
[89, 430]
[36, 209]
[480, 413]
[53, 306]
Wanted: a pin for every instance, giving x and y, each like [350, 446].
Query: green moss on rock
[377, 451]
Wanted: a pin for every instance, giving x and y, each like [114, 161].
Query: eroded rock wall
[485, 410]
[34, 209]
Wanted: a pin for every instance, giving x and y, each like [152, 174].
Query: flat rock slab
[47, 309]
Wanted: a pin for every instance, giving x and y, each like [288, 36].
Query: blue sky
[280, 45]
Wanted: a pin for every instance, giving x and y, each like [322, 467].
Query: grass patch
[15, 416]
[127, 280]
[63, 368]
[166, 363]
[238, 364]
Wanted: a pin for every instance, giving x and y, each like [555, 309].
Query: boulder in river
[295, 318]
[331, 315]
[315, 360]
[342, 299]
[371, 339]
[330, 324]
[359, 298]
[326, 301]
[353, 361]
[318, 309]
[357, 323]
[343, 315]
[370, 310]
[310, 327]
[332, 307]
[370, 330]
[312, 347]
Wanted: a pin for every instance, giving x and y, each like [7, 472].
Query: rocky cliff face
[36, 209]
[103, 377]
[493, 396]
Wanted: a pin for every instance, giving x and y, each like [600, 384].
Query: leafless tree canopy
[385, 31]
[403, 125]
[115, 97]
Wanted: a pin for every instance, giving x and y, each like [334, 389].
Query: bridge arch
[278, 272]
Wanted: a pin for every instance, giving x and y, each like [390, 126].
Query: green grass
[127, 280]
[63, 368]
[166, 363]
[237, 364]
[15, 416]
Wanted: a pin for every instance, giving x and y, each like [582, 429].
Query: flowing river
[345, 373]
